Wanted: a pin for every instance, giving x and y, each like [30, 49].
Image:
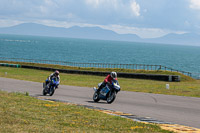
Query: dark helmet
[113, 75]
[56, 72]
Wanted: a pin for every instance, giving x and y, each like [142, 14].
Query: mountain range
[97, 33]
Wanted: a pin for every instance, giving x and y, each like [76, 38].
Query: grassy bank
[188, 87]
[21, 113]
[183, 77]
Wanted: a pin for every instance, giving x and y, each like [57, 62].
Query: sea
[180, 57]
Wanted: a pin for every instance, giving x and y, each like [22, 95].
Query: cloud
[90, 11]
[98, 3]
[116, 6]
[195, 4]
[94, 2]
[135, 7]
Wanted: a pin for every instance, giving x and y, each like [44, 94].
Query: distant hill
[185, 39]
[72, 32]
[96, 33]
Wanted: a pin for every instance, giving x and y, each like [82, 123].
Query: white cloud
[135, 7]
[49, 2]
[195, 4]
[93, 2]
[43, 9]
[98, 3]
[127, 8]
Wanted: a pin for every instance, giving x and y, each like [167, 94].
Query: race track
[167, 108]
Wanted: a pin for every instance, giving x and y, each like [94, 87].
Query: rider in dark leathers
[54, 76]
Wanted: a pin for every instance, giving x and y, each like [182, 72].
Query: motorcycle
[50, 87]
[107, 93]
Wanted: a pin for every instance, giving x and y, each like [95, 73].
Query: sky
[146, 18]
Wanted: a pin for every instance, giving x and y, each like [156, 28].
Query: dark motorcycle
[107, 93]
[50, 87]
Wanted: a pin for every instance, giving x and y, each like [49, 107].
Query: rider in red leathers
[107, 80]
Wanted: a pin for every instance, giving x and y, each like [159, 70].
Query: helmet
[56, 72]
[113, 75]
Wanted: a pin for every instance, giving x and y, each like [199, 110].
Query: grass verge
[22, 113]
[183, 88]
[183, 77]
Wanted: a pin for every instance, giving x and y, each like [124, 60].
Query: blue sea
[180, 57]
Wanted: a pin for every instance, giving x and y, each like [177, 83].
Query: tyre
[45, 89]
[111, 97]
[52, 90]
[44, 92]
[96, 97]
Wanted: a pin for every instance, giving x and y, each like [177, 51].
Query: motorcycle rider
[55, 76]
[107, 80]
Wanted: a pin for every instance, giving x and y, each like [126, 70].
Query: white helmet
[113, 75]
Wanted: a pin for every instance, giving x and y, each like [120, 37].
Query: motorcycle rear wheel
[45, 89]
[44, 92]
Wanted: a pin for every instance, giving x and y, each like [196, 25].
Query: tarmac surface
[145, 107]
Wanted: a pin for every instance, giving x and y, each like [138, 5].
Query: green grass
[188, 87]
[22, 113]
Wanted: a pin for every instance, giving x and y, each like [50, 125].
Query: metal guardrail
[10, 65]
[196, 75]
[160, 77]
[98, 65]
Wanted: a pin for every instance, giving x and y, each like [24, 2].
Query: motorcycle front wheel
[96, 97]
[52, 90]
[111, 97]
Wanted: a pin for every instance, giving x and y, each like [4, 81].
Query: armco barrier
[10, 65]
[98, 65]
[171, 78]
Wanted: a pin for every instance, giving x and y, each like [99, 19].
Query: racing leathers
[55, 77]
[107, 80]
